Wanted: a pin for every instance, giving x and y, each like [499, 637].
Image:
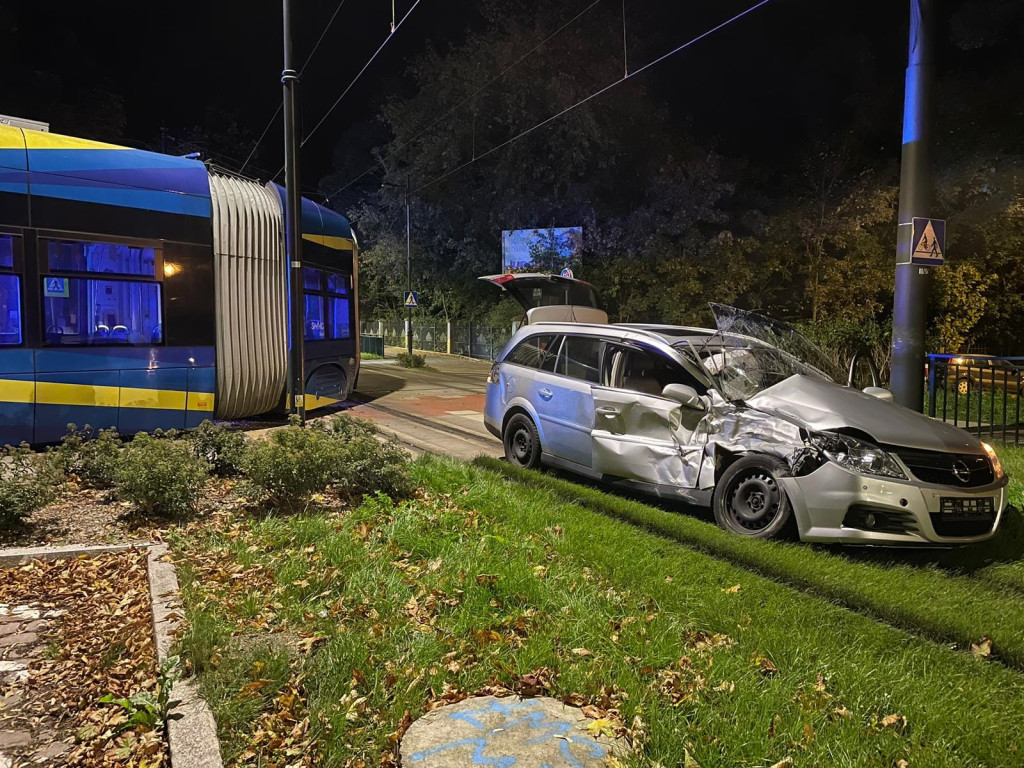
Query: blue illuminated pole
[910, 298]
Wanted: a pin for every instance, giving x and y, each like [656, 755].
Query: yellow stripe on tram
[56, 393]
[200, 401]
[336, 243]
[13, 391]
[169, 399]
[315, 401]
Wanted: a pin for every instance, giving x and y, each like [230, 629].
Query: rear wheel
[748, 499]
[522, 443]
[963, 385]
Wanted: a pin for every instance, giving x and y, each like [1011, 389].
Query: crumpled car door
[645, 438]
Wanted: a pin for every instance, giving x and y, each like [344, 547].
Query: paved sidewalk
[438, 408]
[22, 628]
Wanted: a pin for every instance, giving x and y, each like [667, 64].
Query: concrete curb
[192, 736]
[21, 555]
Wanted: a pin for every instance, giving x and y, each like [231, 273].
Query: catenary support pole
[293, 229]
[910, 299]
[408, 268]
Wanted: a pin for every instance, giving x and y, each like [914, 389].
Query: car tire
[963, 385]
[522, 443]
[748, 499]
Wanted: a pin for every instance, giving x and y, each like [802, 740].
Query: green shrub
[223, 448]
[161, 476]
[339, 454]
[413, 360]
[28, 481]
[92, 458]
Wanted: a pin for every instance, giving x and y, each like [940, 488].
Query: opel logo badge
[961, 472]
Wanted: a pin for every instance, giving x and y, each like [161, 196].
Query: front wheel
[749, 500]
[522, 443]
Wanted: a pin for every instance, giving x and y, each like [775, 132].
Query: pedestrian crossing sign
[412, 300]
[55, 287]
[929, 242]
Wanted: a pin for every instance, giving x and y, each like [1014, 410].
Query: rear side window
[535, 352]
[580, 358]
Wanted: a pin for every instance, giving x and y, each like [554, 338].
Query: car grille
[974, 526]
[957, 470]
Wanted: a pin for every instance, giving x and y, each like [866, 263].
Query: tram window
[10, 310]
[6, 251]
[339, 326]
[337, 284]
[82, 311]
[327, 305]
[315, 325]
[312, 279]
[111, 258]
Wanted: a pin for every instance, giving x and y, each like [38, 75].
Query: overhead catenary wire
[359, 74]
[594, 95]
[280, 106]
[475, 93]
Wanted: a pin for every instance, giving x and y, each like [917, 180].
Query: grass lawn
[317, 637]
[927, 592]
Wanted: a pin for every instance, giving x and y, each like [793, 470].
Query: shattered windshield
[752, 352]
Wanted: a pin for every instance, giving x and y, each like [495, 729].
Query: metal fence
[370, 344]
[467, 339]
[979, 393]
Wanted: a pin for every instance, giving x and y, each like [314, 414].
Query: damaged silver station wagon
[747, 418]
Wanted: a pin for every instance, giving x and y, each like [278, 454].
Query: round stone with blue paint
[505, 733]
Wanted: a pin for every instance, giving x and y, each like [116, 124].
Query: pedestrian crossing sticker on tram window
[55, 287]
[929, 242]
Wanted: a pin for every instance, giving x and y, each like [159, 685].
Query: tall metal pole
[408, 268]
[910, 299]
[293, 229]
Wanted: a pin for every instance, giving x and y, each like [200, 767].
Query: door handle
[546, 394]
[608, 411]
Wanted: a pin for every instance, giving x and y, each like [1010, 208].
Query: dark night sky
[759, 89]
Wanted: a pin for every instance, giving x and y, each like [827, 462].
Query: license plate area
[966, 508]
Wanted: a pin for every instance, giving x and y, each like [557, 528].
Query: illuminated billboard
[541, 250]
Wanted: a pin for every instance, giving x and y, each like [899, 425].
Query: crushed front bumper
[832, 504]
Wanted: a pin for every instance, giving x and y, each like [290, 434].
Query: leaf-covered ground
[317, 639]
[97, 639]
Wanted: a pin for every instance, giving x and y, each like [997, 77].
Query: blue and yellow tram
[143, 291]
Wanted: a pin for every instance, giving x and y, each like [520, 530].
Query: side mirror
[880, 393]
[684, 395]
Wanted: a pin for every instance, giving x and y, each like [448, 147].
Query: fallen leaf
[732, 590]
[895, 721]
[601, 727]
[688, 760]
[982, 649]
[582, 652]
[786, 762]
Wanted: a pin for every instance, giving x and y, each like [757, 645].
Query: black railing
[979, 393]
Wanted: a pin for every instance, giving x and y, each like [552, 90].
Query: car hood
[819, 405]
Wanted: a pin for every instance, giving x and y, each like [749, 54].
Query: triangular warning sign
[928, 246]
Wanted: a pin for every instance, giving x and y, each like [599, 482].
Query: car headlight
[856, 455]
[997, 466]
